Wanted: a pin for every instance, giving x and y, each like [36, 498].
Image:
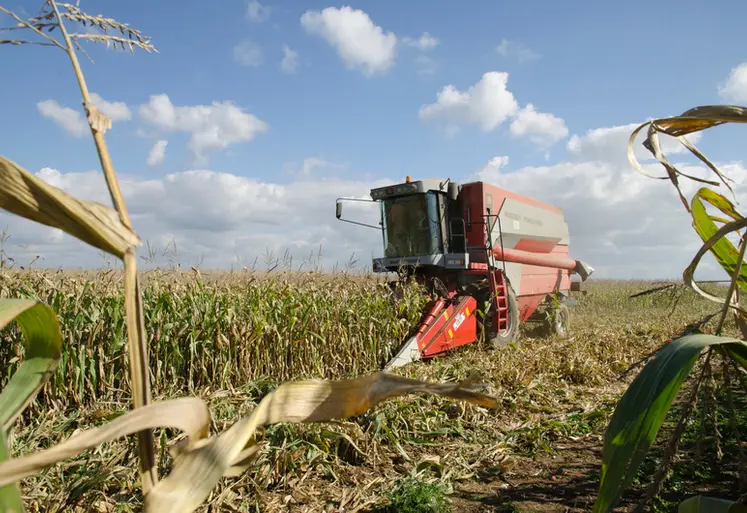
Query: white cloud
[116, 111]
[310, 164]
[359, 42]
[70, 120]
[257, 12]
[248, 54]
[316, 167]
[490, 170]
[734, 89]
[290, 60]
[424, 42]
[157, 153]
[424, 64]
[518, 50]
[486, 104]
[543, 129]
[212, 127]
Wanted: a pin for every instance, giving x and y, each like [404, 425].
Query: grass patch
[412, 495]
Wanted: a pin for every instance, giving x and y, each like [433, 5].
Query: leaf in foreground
[642, 409]
[28, 196]
[703, 504]
[10, 495]
[43, 346]
[723, 250]
[200, 462]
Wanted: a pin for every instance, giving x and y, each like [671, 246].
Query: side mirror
[338, 212]
[453, 191]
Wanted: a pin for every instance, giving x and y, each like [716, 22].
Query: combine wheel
[500, 339]
[558, 320]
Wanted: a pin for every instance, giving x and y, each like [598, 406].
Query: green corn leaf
[724, 251]
[700, 503]
[43, 344]
[720, 202]
[738, 353]
[10, 495]
[642, 409]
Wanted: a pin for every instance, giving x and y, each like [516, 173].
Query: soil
[565, 482]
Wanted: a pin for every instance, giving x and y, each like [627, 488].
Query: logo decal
[458, 321]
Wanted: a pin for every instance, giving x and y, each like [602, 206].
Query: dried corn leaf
[702, 118]
[198, 469]
[201, 462]
[693, 120]
[24, 194]
[189, 415]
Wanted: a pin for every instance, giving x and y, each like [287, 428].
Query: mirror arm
[338, 212]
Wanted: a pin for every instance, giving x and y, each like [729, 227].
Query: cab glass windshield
[411, 225]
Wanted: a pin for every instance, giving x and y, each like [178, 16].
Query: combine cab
[489, 258]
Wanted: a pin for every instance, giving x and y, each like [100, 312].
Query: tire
[499, 340]
[558, 322]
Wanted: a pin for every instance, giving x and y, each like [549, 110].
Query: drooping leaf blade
[201, 461]
[189, 415]
[10, 495]
[642, 409]
[28, 196]
[198, 468]
[43, 344]
[724, 251]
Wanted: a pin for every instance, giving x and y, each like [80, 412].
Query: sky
[234, 141]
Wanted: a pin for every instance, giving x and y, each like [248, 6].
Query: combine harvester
[474, 247]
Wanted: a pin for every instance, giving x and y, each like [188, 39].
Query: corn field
[214, 331]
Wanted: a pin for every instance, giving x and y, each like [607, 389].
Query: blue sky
[582, 66]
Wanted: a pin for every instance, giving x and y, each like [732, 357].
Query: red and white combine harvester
[474, 247]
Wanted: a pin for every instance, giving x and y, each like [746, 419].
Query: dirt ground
[566, 482]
